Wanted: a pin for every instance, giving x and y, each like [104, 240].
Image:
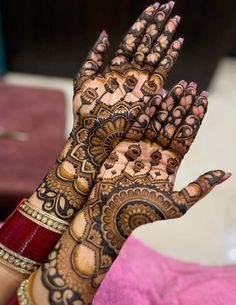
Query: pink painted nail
[156, 5]
[183, 83]
[205, 93]
[181, 40]
[178, 18]
[104, 33]
[225, 177]
[171, 4]
[193, 84]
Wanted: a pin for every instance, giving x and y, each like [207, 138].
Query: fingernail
[205, 93]
[171, 4]
[163, 92]
[225, 177]
[183, 83]
[156, 5]
[193, 84]
[104, 33]
[178, 18]
[181, 40]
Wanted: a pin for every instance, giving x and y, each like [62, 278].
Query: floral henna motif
[134, 187]
[105, 105]
[187, 131]
[99, 237]
[183, 102]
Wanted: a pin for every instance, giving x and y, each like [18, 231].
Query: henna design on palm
[105, 105]
[134, 187]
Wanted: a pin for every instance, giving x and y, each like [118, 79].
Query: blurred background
[42, 45]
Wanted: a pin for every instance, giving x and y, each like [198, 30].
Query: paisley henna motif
[134, 187]
[106, 104]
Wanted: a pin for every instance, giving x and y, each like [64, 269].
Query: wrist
[23, 236]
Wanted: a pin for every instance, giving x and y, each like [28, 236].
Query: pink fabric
[141, 276]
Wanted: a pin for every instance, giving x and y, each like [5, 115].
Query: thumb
[198, 189]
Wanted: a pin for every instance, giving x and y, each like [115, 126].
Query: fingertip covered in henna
[104, 33]
[181, 40]
[205, 93]
[183, 83]
[156, 5]
[193, 85]
[225, 177]
[178, 18]
[171, 4]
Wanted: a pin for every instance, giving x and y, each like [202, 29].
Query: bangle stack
[16, 261]
[24, 292]
[27, 236]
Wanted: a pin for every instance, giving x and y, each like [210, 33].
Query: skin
[134, 187]
[105, 105]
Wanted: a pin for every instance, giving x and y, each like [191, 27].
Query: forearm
[75, 268]
[32, 230]
[26, 238]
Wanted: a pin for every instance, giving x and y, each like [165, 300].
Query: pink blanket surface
[141, 276]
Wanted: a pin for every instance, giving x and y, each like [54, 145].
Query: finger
[152, 32]
[138, 128]
[167, 63]
[164, 110]
[162, 43]
[198, 189]
[133, 37]
[177, 115]
[187, 131]
[94, 61]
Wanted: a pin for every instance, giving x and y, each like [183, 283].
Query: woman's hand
[134, 187]
[106, 103]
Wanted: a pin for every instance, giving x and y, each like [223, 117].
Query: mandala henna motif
[134, 187]
[106, 104]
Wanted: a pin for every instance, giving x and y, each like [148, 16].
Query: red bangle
[27, 236]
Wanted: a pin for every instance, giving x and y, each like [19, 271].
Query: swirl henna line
[153, 30]
[90, 143]
[52, 201]
[129, 86]
[123, 210]
[127, 194]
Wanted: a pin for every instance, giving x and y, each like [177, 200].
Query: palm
[135, 185]
[105, 104]
[107, 107]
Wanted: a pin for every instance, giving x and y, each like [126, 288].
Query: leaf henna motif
[106, 104]
[134, 187]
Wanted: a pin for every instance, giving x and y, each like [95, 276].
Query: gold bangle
[24, 292]
[17, 262]
[50, 222]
